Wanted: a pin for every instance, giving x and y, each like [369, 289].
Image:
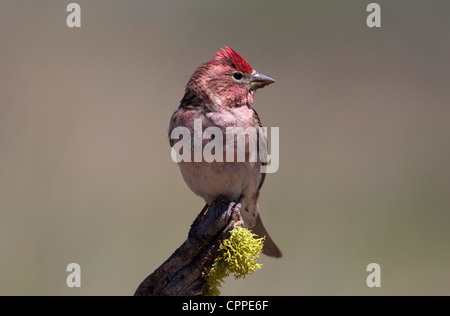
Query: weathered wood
[181, 274]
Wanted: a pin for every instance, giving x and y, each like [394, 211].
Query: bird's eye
[238, 75]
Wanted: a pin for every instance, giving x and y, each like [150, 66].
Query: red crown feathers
[234, 59]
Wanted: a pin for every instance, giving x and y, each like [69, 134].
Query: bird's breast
[231, 180]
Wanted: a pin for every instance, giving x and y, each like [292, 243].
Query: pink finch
[220, 94]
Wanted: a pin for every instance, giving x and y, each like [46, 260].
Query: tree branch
[181, 274]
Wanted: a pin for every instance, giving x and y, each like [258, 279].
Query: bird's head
[228, 80]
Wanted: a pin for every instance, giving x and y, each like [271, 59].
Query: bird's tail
[270, 248]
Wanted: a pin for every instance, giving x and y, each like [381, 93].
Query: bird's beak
[259, 80]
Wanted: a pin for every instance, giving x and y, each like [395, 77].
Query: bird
[220, 94]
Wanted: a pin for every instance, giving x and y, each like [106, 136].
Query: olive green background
[85, 168]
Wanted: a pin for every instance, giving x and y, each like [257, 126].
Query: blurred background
[85, 168]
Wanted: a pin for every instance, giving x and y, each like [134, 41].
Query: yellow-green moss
[239, 254]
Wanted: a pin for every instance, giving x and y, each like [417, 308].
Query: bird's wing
[258, 121]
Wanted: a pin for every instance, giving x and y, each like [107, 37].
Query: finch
[220, 93]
